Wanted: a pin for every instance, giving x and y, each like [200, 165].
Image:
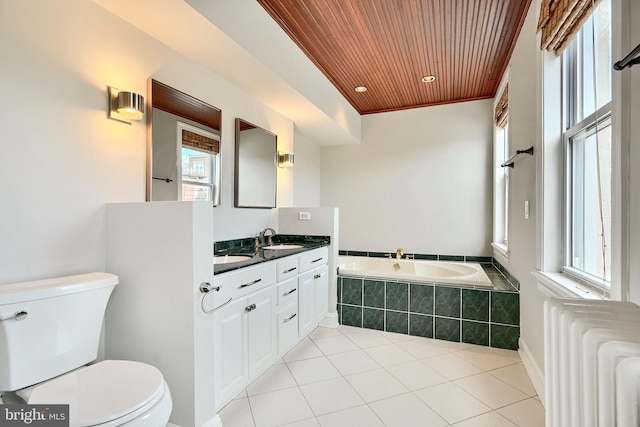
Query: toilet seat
[111, 390]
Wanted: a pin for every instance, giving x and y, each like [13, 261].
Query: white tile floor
[358, 377]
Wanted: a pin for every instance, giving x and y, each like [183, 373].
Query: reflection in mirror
[256, 171]
[184, 147]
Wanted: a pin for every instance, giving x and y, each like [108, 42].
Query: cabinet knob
[317, 276]
[250, 307]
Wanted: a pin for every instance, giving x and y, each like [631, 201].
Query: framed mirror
[256, 166]
[183, 148]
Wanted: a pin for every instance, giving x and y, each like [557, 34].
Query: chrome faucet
[263, 235]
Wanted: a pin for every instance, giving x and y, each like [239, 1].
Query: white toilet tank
[49, 327]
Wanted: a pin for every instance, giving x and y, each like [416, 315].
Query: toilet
[49, 335]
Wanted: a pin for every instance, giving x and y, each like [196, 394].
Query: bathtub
[422, 271]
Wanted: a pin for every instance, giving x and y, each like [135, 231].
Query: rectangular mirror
[256, 166]
[183, 159]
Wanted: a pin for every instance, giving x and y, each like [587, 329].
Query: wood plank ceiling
[388, 46]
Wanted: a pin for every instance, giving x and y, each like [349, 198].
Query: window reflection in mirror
[184, 147]
[255, 168]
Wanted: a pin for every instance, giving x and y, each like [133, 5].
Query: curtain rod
[509, 163]
[629, 60]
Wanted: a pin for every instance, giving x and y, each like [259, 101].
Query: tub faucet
[263, 235]
[399, 253]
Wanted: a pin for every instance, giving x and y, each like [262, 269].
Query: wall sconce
[125, 106]
[285, 160]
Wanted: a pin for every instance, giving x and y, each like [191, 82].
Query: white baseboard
[331, 321]
[533, 369]
[213, 422]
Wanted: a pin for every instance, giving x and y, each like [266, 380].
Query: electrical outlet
[305, 216]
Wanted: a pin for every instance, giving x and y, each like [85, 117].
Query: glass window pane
[191, 192]
[196, 166]
[591, 202]
[197, 175]
[594, 62]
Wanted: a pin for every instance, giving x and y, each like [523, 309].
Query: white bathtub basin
[463, 273]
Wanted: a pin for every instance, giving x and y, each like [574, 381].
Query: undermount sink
[228, 259]
[284, 246]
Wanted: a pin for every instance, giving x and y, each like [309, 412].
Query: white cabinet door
[230, 363]
[261, 330]
[306, 303]
[321, 277]
[287, 326]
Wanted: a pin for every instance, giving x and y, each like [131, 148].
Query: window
[199, 153]
[501, 174]
[587, 144]
[502, 186]
[196, 175]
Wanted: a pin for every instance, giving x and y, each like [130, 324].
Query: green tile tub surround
[420, 298]
[475, 305]
[483, 317]
[397, 296]
[447, 302]
[475, 332]
[374, 293]
[421, 325]
[505, 336]
[456, 258]
[397, 322]
[427, 257]
[479, 259]
[505, 308]
[351, 291]
[373, 318]
[352, 316]
[447, 329]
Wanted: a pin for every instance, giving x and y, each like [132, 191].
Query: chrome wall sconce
[285, 160]
[125, 106]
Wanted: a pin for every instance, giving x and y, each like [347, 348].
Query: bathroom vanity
[210, 345]
[269, 308]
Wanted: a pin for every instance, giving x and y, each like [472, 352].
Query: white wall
[630, 81]
[306, 172]
[524, 131]
[421, 179]
[62, 159]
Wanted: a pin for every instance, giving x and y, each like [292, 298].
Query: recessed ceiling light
[428, 79]
[360, 89]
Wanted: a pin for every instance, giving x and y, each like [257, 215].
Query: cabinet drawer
[287, 268]
[288, 291]
[287, 327]
[314, 258]
[235, 284]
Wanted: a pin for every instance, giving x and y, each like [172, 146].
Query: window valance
[200, 142]
[560, 20]
[502, 109]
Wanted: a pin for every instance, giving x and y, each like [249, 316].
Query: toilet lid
[102, 392]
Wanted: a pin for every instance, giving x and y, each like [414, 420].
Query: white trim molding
[533, 370]
[558, 285]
